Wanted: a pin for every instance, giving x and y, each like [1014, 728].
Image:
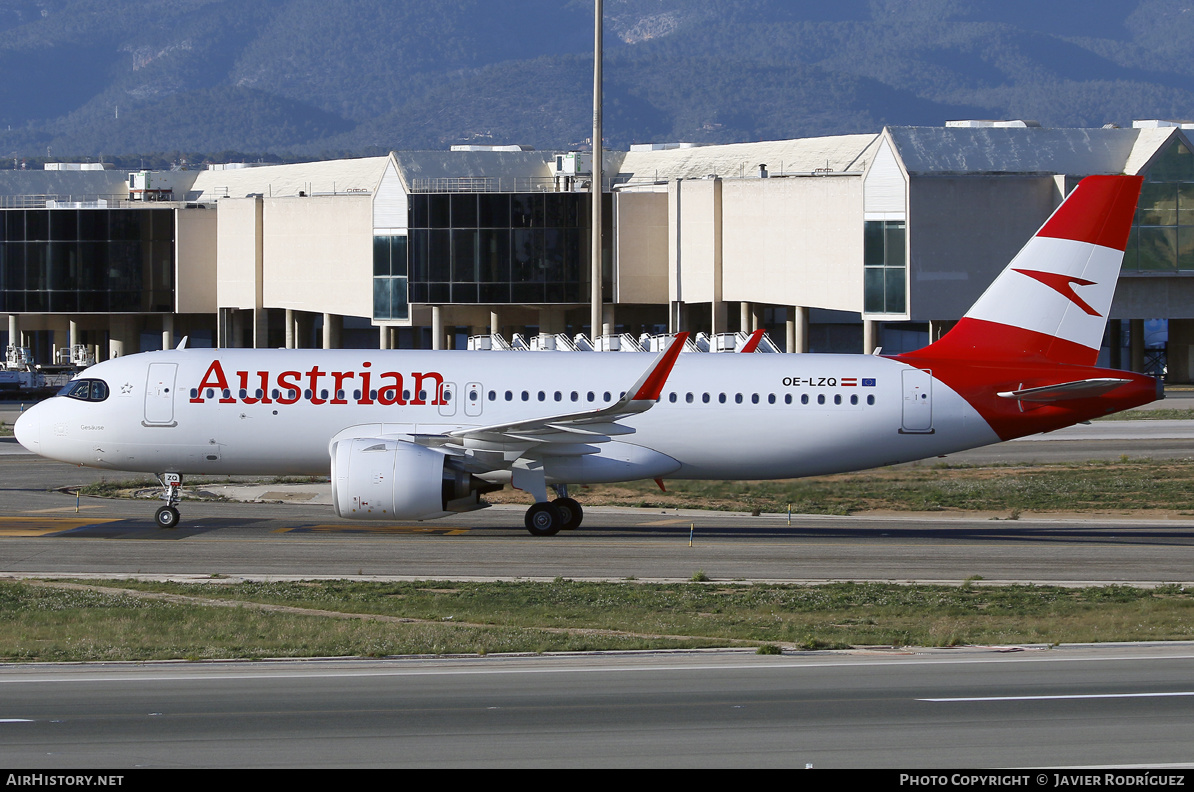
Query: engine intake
[379, 479]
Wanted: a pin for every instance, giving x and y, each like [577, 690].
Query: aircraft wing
[580, 427]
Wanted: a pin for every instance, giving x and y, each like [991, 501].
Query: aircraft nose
[28, 430]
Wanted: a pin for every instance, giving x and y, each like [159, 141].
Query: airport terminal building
[840, 243]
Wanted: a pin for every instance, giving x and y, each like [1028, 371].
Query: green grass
[1123, 485]
[1151, 415]
[58, 622]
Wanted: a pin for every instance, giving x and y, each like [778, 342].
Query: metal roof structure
[415, 165]
[922, 150]
[62, 185]
[1076, 152]
[331, 177]
[836, 154]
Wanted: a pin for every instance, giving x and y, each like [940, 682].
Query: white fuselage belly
[138, 428]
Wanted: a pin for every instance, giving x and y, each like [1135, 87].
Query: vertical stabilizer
[1051, 302]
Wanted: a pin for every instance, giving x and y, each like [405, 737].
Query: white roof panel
[1077, 152]
[838, 154]
[428, 167]
[314, 178]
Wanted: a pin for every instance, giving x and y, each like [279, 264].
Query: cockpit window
[85, 390]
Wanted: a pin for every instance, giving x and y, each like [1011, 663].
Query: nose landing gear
[167, 516]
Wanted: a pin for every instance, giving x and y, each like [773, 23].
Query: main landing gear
[548, 518]
[167, 516]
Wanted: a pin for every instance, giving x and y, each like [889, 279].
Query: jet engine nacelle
[378, 479]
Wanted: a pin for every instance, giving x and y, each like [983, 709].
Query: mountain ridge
[302, 78]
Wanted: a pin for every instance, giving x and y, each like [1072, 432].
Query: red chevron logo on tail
[1063, 285]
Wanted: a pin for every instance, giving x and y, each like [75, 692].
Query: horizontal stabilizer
[1080, 389]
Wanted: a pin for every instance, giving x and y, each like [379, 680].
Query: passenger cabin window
[92, 390]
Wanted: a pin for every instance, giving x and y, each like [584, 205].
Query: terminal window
[87, 260]
[499, 247]
[884, 268]
[1162, 238]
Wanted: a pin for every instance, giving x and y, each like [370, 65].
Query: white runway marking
[1064, 698]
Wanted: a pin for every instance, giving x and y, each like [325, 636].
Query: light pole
[595, 307]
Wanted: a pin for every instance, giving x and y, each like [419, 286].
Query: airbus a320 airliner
[414, 435]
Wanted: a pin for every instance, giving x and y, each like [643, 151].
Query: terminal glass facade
[884, 267]
[390, 277]
[87, 260]
[1162, 238]
[500, 247]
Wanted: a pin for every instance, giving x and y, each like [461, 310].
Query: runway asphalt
[1126, 710]
[1121, 706]
[40, 533]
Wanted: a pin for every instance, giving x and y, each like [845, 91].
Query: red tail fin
[1051, 302]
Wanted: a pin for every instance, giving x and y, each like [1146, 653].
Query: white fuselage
[721, 416]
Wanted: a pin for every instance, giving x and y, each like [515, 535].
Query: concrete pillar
[119, 340]
[383, 337]
[1115, 334]
[553, 320]
[675, 317]
[72, 333]
[719, 318]
[797, 329]
[495, 323]
[302, 328]
[14, 330]
[1136, 344]
[437, 327]
[744, 311]
[167, 332]
[237, 333]
[756, 317]
[290, 328]
[870, 336]
[546, 321]
[608, 324]
[260, 328]
[332, 327]
[59, 338]
[1180, 351]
